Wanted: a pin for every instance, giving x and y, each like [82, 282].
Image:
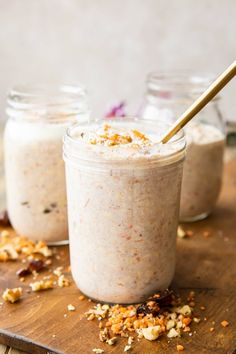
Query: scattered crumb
[12, 295]
[206, 234]
[58, 271]
[81, 297]
[41, 285]
[180, 232]
[98, 351]
[173, 333]
[111, 341]
[127, 348]
[212, 329]
[151, 333]
[179, 348]
[202, 308]
[71, 307]
[63, 281]
[189, 233]
[196, 320]
[224, 323]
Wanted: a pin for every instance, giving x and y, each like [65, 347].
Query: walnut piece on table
[12, 295]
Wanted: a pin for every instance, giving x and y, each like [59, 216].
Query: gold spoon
[201, 102]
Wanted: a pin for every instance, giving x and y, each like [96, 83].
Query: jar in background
[123, 208]
[35, 178]
[167, 97]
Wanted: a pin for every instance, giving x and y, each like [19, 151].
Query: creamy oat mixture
[123, 206]
[203, 168]
[35, 179]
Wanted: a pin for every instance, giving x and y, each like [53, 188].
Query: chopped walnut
[180, 232]
[41, 285]
[62, 281]
[70, 307]
[58, 271]
[111, 341]
[179, 348]
[127, 348]
[43, 249]
[12, 295]
[172, 333]
[152, 332]
[224, 323]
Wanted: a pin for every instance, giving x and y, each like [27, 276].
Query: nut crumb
[70, 307]
[151, 333]
[172, 333]
[179, 348]
[12, 295]
[63, 281]
[180, 232]
[127, 348]
[111, 341]
[224, 323]
[41, 285]
[58, 271]
[98, 351]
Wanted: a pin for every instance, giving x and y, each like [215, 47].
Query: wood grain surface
[206, 265]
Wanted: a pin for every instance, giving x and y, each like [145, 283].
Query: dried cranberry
[155, 303]
[23, 272]
[36, 265]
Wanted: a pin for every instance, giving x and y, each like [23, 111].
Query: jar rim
[43, 100]
[179, 82]
[77, 145]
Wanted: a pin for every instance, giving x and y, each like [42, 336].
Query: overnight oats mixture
[35, 179]
[123, 205]
[203, 169]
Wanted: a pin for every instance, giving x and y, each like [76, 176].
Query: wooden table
[226, 300]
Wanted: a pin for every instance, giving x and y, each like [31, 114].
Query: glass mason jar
[167, 97]
[34, 168]
[123, 209]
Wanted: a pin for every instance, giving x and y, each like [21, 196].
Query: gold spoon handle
[201, 102]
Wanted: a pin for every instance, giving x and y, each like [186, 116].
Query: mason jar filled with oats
[123, 190]
[35, 178]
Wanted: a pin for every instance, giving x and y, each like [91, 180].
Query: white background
[110, 45]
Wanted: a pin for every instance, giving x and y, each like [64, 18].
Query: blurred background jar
[167, 97]
[35, 179]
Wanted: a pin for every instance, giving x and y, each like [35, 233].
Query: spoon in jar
[201, 102]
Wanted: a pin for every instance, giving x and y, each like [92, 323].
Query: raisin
[156, 303]
[36, 265]
[47, 211]
[23, 272]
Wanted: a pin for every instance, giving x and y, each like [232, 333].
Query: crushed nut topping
[224, 323]
[179, 348]
[41, 285]
[159, 315]
[109, 136]
[11, 247]
[63, 281]
[12, 295]
[70, 307]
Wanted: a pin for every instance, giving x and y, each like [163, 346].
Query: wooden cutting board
[206, 265]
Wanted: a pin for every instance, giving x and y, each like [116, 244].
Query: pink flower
[117, 111]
